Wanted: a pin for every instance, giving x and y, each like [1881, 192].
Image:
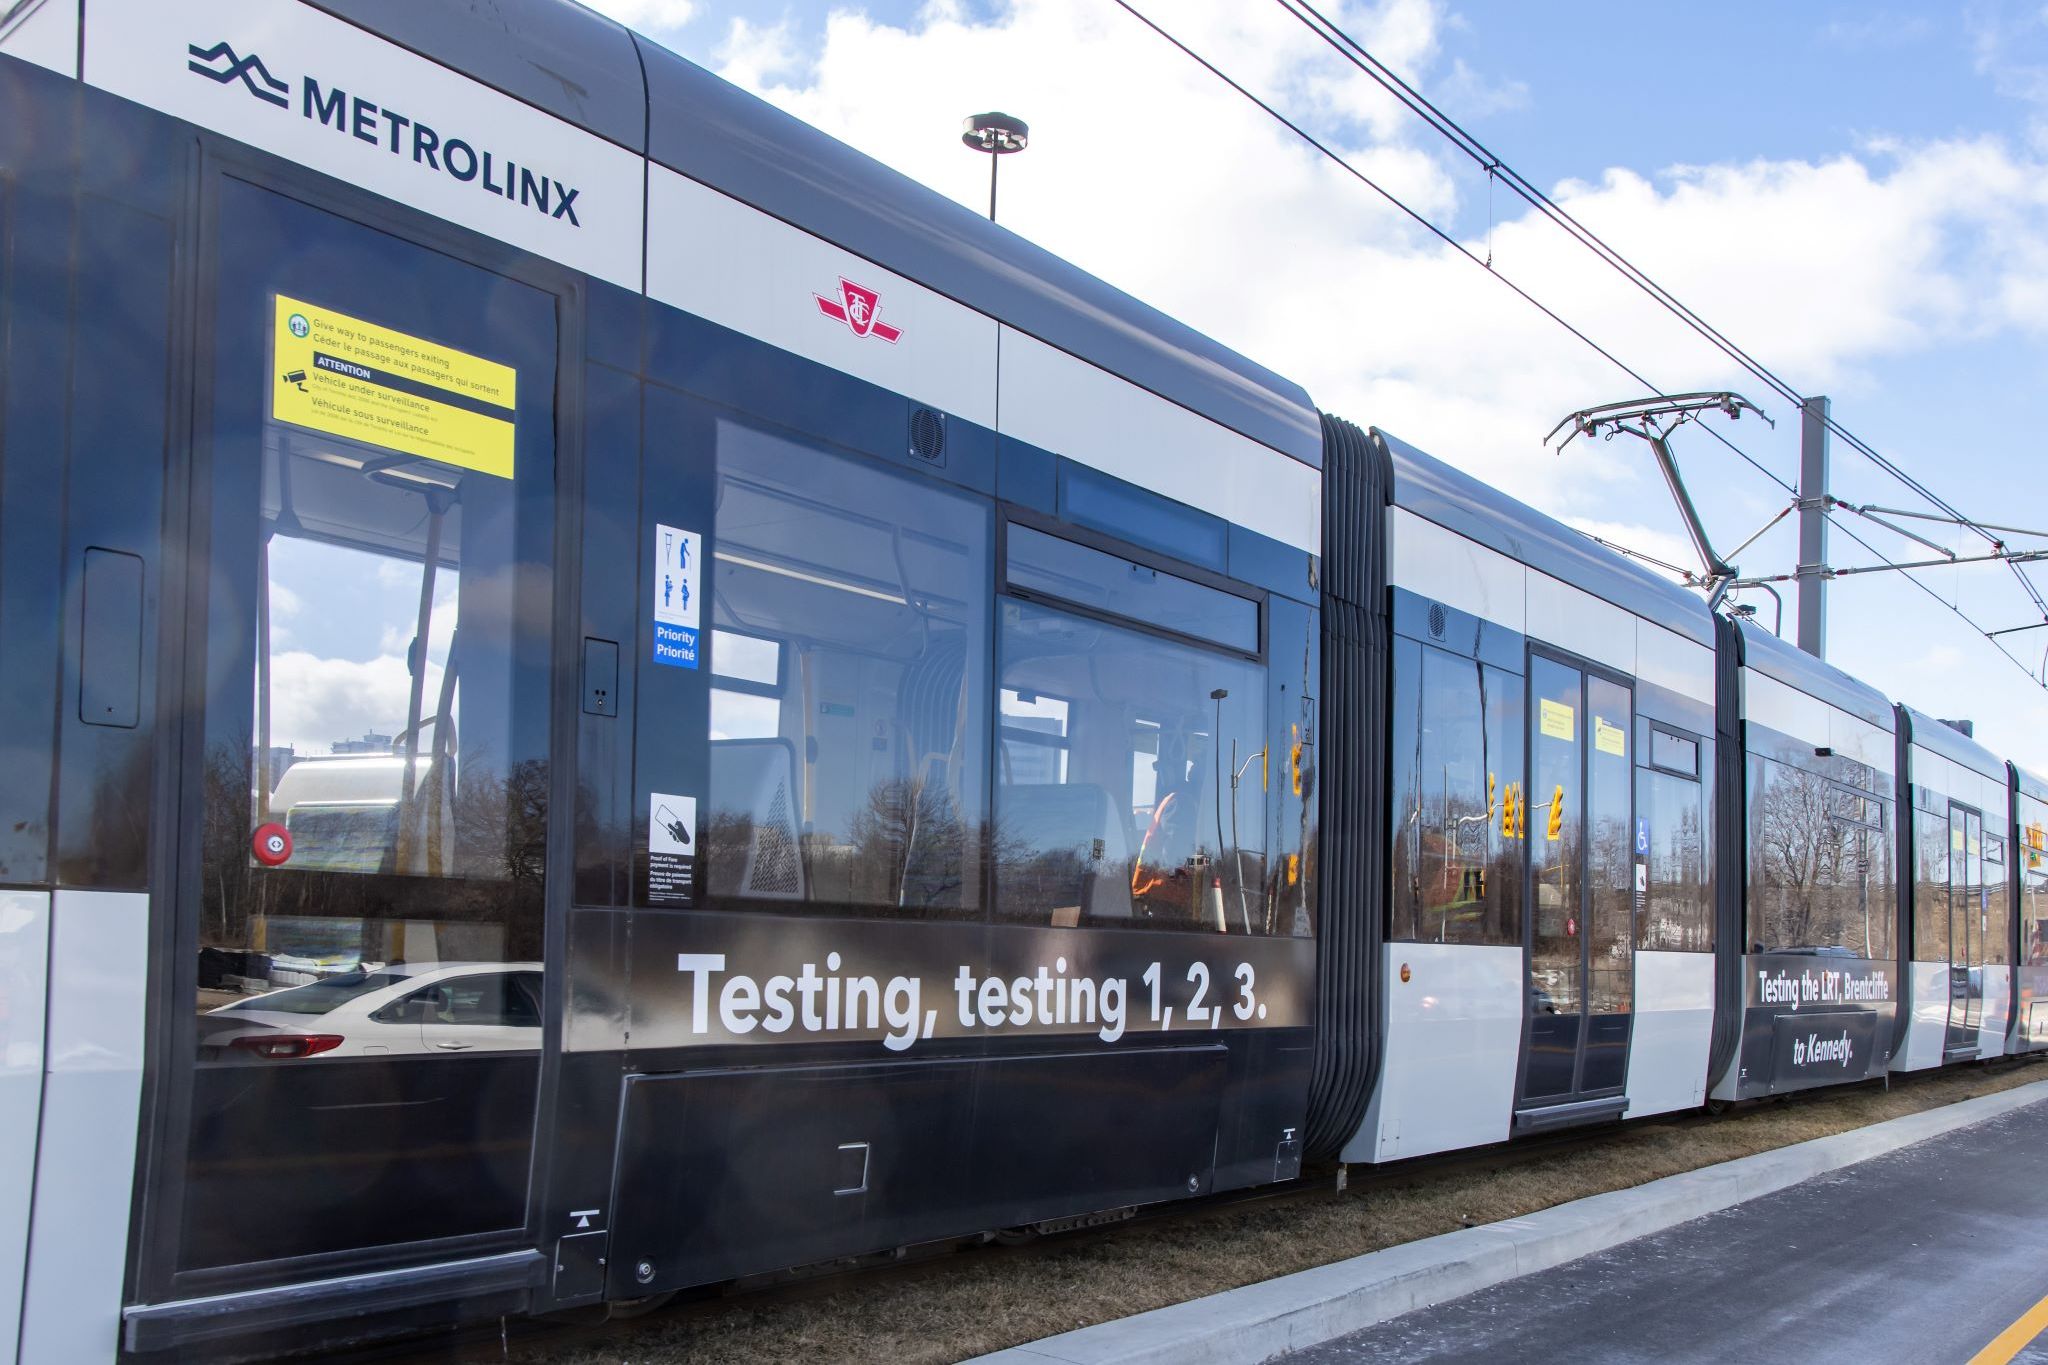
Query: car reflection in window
[417, 1009]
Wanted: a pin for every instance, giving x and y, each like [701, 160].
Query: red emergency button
[272, 844]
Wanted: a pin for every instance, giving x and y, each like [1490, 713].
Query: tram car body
[605, 695]
[2030, 906]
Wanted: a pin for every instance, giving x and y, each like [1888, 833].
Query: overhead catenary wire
[1392, 82]
[1305, 12]
[1333, 35]
[1421, 220]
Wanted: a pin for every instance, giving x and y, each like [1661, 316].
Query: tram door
[1579, 926]
[361, 911]
[1967, 916]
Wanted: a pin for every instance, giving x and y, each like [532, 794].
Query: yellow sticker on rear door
[1609, 739]
[354, 379]
[1558, 720]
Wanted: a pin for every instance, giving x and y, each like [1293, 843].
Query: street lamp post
[998, 135]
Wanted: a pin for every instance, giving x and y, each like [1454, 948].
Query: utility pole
[1812, 572]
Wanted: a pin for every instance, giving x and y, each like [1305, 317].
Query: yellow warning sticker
[350, 378]
[1609, 739]
[1558, 720]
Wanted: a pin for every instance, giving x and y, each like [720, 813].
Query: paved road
[1925, 1255]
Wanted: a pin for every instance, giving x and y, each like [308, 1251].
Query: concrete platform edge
[1260, 1321]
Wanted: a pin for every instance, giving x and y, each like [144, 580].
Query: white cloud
[1148, 172]
[316, 701]
[649, 16]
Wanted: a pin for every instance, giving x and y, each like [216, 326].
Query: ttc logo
[856, 306]
[247, 69]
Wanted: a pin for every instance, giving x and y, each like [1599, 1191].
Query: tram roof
[1794, 667]
[594, 73]
[1458, 502]
[1938, 736]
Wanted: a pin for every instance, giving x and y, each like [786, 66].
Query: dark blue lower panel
[729, 1173]
[313, 1156]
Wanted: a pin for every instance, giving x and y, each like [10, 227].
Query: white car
[396, 1010]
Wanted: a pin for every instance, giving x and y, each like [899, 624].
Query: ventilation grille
[928, 435]
[1437, 621]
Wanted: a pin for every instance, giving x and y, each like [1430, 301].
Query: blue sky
[1855, 194]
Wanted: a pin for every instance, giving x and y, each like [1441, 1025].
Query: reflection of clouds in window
[848, 643]
[332, 679]
[741, 715]
[745, 657]
[315, 702]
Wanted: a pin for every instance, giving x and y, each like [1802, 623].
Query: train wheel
[622, 1310]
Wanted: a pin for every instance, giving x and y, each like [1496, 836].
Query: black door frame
[163, 1139]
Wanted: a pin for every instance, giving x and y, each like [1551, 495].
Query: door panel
[1581, 925]
[1610, 884]
[1557, 996]
[376, 476]
[1965, 928]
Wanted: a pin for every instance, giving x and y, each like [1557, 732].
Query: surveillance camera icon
[297, 377]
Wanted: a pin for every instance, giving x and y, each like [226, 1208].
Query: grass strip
[975, 1303]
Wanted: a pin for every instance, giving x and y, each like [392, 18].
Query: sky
[1855, 194]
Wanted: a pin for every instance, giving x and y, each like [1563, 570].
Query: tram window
[746, 658]
[1992, 906]
[1930, 883]
[848, 711]
[1816, 879]
[1678, 904]
[1460, 811]
[2033, 874]
[1674, 753]
[1131, 786]
[1061, 569]
[396, 729]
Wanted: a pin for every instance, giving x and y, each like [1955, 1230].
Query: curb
[1261, 1321]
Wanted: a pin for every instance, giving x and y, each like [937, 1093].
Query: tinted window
[1678, 903]
[1459, 809]
[485, 999]
[1610, 792]
[1131, 782]
[1817, 880]
[849, 713]
[1930, 879]
[320, 996]
[1674, 752]
[1997, 950]
[2033, 873]
[1091, 578]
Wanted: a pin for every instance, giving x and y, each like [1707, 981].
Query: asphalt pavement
[1927, 1254]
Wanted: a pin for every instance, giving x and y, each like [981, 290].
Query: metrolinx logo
[246, 69]
[360, 120]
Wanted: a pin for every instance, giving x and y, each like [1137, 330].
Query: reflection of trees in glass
[908, 847]
[1460, 813]
[500, 829]
[1811, 871]
[1677, 916]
